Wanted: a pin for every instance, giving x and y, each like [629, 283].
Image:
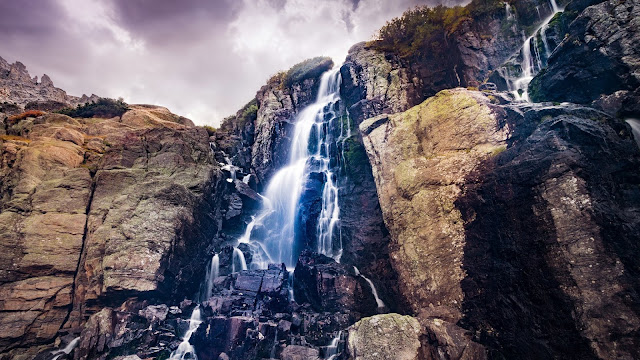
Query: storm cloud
[200, 58]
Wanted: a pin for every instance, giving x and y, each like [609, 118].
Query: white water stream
[309, 152]
[532, 60]
[185, 350]
[635, 129]
[379, 302]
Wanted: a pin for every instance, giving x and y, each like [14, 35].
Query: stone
[329, 286]
[296, 352]
[388, 336]
[155, 312]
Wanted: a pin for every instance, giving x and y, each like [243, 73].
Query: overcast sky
[203, 59]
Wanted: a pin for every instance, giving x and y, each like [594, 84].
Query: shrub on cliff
[31, 113]
[308, 69]
[102, 108]
[249, 112]
[423, 30]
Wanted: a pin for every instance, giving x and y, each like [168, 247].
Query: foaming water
[532, 60]
[635, 129]
[379, 302]
[185, 350]
[310, 151]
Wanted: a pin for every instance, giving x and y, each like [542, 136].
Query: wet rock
[155, 312]
[296, 352]
[329, 286]
[597, 57]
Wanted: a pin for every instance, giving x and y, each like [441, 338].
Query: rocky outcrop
[17, 88]
[377, 81]
[96, 210]
[597, 61]
[452, 174]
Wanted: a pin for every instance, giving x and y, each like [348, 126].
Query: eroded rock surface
[95, 210]
[452, 175]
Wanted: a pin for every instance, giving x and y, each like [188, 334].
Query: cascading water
[185, 350]
[212, 273]
[238, 262]
[310, 152]
[379, 302]
[67, 349]
[531, 59]
[635, 129]
[332, 349]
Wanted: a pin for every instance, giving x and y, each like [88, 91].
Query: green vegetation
[308, 69]
[102, 108]
[355, 157]
[423, 31]
[249, 112]
[210, 130]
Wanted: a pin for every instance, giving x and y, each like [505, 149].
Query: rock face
[597, 61]
[18, 91]
[96, 210]
[452, 174]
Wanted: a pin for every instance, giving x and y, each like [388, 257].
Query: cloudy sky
[202, 59]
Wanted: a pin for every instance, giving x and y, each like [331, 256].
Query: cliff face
[501, 229]
[97, 210]
[501, 214]
[597, 61]
[454, 174]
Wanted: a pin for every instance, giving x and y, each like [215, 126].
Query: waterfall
[185, 350]
[379, 301]
[507, 9]
[67, 349]
[238, 262]
[212, 274]
[332, 349]
[230, 168]
[310, 151]
[532, 61]
[635, 129]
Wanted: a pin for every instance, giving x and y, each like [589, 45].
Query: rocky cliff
[98, 210]
[19, 92]
[527, 281]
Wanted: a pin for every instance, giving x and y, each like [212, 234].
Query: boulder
[382, 337]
